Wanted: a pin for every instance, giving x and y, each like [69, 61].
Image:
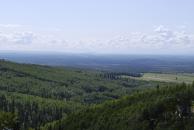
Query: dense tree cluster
[34, 111]
[64, 84]
[163, 108]
[42, 94]
[118, 75]
[8, 121]
[53, 98]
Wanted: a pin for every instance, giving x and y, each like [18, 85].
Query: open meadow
[167, 77]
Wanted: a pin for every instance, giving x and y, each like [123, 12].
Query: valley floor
[166, 77]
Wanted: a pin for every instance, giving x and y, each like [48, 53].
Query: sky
[98, 26]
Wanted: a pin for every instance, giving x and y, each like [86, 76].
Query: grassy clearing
[171, 77]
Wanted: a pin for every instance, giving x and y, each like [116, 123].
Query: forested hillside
[162, 108]
[37, 95]
[96, 65]
[34, 97]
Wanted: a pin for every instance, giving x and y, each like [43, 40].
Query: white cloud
[10, 25]
[160, 40]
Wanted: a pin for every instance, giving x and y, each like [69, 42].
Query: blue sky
[98, 26]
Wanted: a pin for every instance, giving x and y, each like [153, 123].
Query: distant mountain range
[122, 63]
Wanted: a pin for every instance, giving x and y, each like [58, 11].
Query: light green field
[175, 78]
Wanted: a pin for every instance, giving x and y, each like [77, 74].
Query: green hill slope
[64, 83]
[42, 94]
[166, 108]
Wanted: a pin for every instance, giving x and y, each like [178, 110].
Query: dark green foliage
[42, 94]
[167, 108]
[8, 121]
[63, 84]
[53, 98]
[35, 111]
[117, 75]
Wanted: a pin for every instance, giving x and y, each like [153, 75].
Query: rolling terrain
[41, 94]
[166, 108]
[118, 63]
[40, 97]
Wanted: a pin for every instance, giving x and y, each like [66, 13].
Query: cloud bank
[160, 40]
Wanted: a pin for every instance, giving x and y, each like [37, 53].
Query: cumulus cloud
[160, 40]
[17, 38]
[10, 25]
